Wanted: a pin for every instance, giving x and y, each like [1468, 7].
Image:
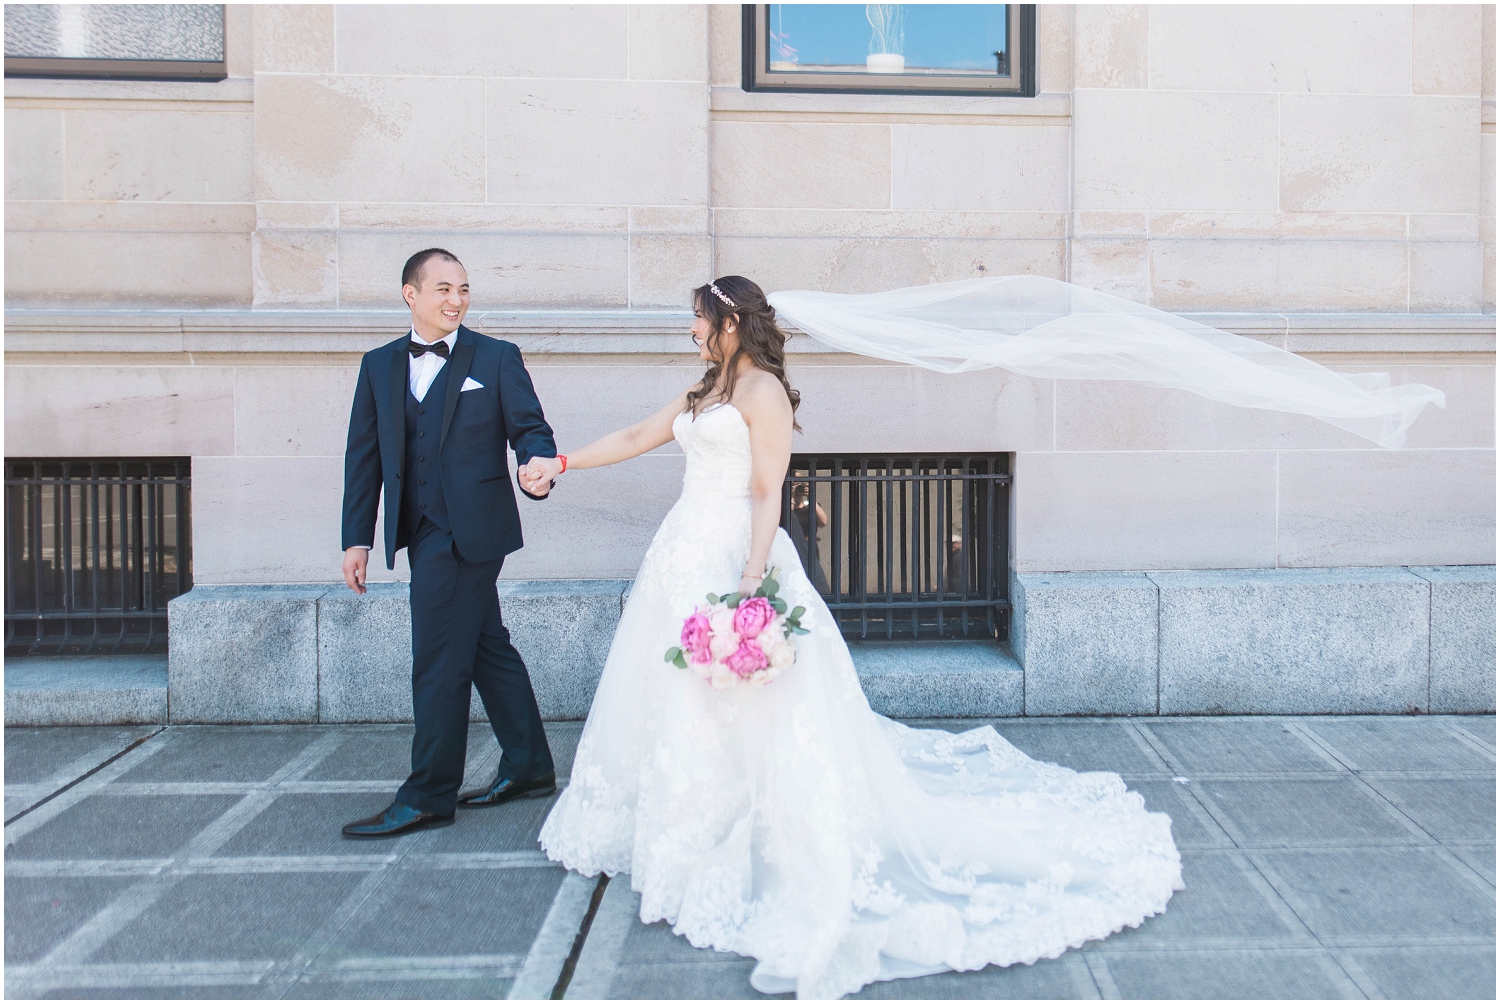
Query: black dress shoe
[394, 821]
[506, 790]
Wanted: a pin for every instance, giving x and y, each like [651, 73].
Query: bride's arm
[769, 415]
[622, 444]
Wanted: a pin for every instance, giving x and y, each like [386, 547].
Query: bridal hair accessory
[1054, 330]
[716, 291]
[737, 641]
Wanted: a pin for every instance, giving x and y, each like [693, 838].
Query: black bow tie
[438, 348]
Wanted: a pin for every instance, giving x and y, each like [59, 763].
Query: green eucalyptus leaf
[733, 599]
[680, 662]
[770, 586]
[779, 606]
[672, 653]
[797, 612]
[801, 630]
[712, 599]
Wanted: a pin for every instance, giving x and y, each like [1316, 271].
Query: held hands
[537, 475]
[356, 562]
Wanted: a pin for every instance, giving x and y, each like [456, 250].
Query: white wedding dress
[792, 824]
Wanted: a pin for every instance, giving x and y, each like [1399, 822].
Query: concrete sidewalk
[1324, 858]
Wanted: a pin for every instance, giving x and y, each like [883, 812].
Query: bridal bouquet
[737, 641]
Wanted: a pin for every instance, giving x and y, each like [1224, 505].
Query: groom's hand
[356, 561]
[537, 474]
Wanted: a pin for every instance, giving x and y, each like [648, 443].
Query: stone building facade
[193, 269]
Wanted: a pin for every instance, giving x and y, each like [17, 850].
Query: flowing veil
[1055, 330]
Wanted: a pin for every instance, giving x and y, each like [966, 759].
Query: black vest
[422, 488]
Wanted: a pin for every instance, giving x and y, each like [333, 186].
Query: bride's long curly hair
[759, 338]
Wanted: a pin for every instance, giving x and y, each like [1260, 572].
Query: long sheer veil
[1055, 330]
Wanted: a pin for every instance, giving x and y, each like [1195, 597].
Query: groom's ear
[408, 292]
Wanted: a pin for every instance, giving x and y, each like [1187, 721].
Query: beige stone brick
[1174, 151]
[801, 165]
[125, 269]
[33, 153]
[239, 39]
[1446, 276]
[292, 411]
[1387, 226]
[1487, 277]
[1295, 48]
[724, 53]
[1487, 51]
[1120, 267]
[668, 41]
[664, 268]
[1112, 45]
[239, 538]
[297, 215]
[1107, 224]
[484, 40]
[670, 220]
[369, 139]
[295, 268]
[888, 223]
[1487, 175]
[1379, 154]
[1446, 51]
[1443, 227]
[127, 217]
[979, 167]
[1054, 48]
[483, 217]
[294, 38]
[558, 141]
[863, 406]
[553, 271]
[1189, 275]
[118, 411]
[1135, 510]
[166, 156]
[1383, 507]
[872, 265]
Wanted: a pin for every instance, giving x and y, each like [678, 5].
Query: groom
[432, 414]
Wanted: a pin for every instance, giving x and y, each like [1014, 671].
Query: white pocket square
[471, 384]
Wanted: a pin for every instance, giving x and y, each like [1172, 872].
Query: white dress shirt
[425, 368]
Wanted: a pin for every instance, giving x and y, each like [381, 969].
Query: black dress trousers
[458, 639]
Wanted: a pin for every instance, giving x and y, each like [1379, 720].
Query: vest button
[421, 434]
[421, 460]
[421, 412]
[422, 482]
[422, 505]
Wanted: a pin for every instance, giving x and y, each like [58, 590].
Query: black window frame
[756, 77]
[888, 515]
[90, 560]
[66, 68]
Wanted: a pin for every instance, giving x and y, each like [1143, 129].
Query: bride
[789, 822]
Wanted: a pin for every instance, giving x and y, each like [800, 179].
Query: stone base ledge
[1257, 641]
[1238, 641]
[86, 690]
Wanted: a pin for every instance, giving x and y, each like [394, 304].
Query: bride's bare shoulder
[760, 394]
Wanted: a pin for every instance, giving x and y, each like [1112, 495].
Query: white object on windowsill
[885, 62]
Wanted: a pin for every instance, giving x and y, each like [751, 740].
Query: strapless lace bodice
[717, 445]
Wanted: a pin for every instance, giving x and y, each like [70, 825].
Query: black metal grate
[904, 547]
[94, 549]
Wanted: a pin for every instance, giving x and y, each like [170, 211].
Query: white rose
[721, 621]
[721, 644]
[783, 655]
[768, 639]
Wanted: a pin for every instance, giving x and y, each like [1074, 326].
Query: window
[94, 549]
[904, 547]
[891, 48]
[120, 41]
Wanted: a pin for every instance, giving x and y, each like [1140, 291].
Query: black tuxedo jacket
[477, 425]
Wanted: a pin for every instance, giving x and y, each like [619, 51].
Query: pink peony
[753, 616]
[695, 635]
[747, 659]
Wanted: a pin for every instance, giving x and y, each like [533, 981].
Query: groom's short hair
[411, 275]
